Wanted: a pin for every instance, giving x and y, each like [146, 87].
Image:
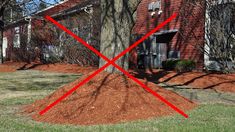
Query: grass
[24, 87]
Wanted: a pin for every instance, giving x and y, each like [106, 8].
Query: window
[154, 5]
[4, 46]
[174, 54]
[16, 40]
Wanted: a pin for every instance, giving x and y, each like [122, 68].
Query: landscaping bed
[198, 80]
[221, 82]
[56, 67]
[4, 68]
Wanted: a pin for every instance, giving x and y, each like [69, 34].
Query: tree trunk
[1, 35]
[1, 50]
[117, 23]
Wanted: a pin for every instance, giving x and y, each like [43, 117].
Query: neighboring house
[183, 38]
[80, 16]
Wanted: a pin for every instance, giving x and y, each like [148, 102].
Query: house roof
[59, 7]
[50, 7]
[62, 8]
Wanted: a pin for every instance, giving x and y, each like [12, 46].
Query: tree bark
[117, 20]
[1, 41]
[1, 35]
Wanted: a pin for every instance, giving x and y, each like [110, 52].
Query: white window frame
[16, 40]
[4, 46]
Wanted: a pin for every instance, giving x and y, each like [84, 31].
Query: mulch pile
[106, 99]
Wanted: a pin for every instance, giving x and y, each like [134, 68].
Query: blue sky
[32, 6]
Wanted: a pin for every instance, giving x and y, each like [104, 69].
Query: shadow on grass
[29, 66]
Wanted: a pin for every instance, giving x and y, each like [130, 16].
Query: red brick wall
[190, 23]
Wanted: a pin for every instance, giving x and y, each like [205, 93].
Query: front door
[151, 54]
[161, 55]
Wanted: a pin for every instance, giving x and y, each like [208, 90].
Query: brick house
[23, 36]
[183, 38]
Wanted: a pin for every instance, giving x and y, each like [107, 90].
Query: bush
[169, 64]
[185, 66]
[179, 65]
[51, 59]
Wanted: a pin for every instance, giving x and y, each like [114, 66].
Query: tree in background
[220, 35]
[3, 6]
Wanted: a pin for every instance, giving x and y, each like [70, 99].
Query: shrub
[51, 59]
[179, 65]
[169, 64]
[185, 65]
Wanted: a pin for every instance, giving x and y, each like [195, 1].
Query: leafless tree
[220, 34]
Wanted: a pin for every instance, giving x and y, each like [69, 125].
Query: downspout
[28, 46]
[89, 10]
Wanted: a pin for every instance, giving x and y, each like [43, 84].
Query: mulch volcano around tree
[106, 99]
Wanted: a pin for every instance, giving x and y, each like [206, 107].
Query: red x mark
[113, 63]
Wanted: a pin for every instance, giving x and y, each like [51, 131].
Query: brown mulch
[10, 66]
[65, 68]
[106, 99]
[221, 82]
[6, 69]
[57, 67]
[197, 80]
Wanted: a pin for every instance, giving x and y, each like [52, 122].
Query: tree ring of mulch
[106, 99]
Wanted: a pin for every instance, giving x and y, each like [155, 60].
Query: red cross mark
[112, 62]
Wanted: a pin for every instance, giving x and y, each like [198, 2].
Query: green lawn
[215, 114]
